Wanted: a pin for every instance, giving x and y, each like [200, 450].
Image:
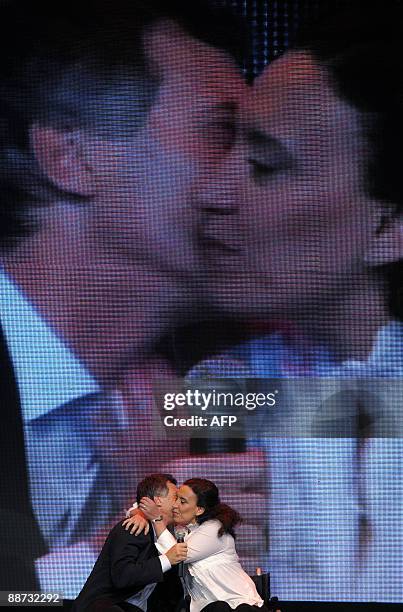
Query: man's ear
[387, 245]
[200, 510]
[61, 157]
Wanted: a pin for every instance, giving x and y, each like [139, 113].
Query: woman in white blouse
[213, 575]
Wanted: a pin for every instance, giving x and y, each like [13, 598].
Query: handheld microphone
[180, 532]
[227, 375]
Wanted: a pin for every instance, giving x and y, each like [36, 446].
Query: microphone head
[218, 367]
[220, 376]
[180, 532]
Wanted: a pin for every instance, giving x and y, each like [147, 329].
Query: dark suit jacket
[126, 564]
[20, 536]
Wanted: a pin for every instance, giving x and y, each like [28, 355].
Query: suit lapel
[21, 539]
[154, 550]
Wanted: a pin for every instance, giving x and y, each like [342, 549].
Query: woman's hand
[137, 524]
[177, 553]
[149, 508]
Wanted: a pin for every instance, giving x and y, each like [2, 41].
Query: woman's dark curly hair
[362, 47]
[209, 499]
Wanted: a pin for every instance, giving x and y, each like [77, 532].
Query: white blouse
[213, 572]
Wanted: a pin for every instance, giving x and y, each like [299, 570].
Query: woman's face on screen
[287, 222]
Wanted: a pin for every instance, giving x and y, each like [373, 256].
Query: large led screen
[200, 275]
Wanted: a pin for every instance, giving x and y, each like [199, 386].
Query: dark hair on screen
[209, 499]
[154, 485]
[362, 47]
[58, 58]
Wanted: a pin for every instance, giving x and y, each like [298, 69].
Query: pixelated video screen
[201, 218]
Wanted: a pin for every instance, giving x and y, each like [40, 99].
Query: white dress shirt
[213, 572]
[318, 493]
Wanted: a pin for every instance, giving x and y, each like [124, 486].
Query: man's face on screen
[287, 221]
[143, 204]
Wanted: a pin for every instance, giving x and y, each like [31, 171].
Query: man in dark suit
[129, 566]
